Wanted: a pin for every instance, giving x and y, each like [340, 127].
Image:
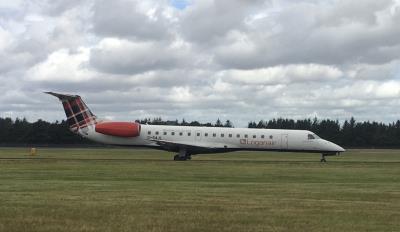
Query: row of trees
[21, 132]
[347, 134]
[159, 121]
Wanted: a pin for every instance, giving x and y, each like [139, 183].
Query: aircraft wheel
[323, 160]
[180, 158]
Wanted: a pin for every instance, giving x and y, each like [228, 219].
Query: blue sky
[180, 4]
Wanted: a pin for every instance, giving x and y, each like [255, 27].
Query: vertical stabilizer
[78, 114]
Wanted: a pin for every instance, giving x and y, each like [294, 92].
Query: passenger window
[310, 136]
[230, 135]
[214, 135]
[246, 136]
[165, 133]
[237, 135]
[156, 132]
[180, 133]
[205, 134]
[254, 136]
[172, 133]
[222, 135]
[189, 134]
[149, 132]
[262, 136]
[271, 137]
[198, 134]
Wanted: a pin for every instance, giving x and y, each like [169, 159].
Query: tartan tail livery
[79, 116]
[186, 141]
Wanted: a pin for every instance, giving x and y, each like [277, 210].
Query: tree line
[21, 132]
[159, 121]
[350, 133]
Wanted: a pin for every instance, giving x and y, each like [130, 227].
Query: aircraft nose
[333, 147]
[337, 147]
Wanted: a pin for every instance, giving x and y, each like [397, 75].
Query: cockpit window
[312, 136]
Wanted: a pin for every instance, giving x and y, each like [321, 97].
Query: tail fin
[78, 114]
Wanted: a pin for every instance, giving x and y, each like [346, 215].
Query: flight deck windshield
[313, 136]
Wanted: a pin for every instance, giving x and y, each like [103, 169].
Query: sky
[202, 59]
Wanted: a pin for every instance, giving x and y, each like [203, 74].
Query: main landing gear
[183, 155]
[182, 158]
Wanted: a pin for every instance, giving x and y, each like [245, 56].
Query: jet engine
[120, 129]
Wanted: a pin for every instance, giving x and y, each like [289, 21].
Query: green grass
[144, 190]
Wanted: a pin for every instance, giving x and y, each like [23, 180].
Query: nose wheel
[323, 160]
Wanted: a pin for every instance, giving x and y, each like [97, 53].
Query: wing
[190, 147]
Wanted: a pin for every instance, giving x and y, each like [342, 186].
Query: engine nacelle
[119, 129]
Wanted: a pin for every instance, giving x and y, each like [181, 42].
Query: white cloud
[122, 56]
[62, 66]
[130, 19]
[10, 4]
[181, 94]
[284, 74]
[373, 71]
[132, 59]
[5, 39]
[390, 89]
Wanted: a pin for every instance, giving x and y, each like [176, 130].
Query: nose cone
[339, 148]
[333, 147]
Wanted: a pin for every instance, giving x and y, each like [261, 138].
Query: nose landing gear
[323, 160]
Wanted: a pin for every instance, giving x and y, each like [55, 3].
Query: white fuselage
[220, 139]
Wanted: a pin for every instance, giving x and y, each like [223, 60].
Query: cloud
[202, 60]
[283, 74]
[58, 7]
[62, 66]
[374, 71]
[121, 56]
[350, 12]
[136, 19]
[311, 32]
[205, 21]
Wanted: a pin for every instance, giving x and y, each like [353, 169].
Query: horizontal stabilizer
[63, 96]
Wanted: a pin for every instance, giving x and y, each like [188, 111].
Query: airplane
[189, 140]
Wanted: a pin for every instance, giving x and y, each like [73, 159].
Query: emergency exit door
[284, 142]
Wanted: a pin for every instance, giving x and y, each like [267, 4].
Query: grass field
[144, 190]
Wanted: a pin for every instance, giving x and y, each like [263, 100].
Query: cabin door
[284, 142]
